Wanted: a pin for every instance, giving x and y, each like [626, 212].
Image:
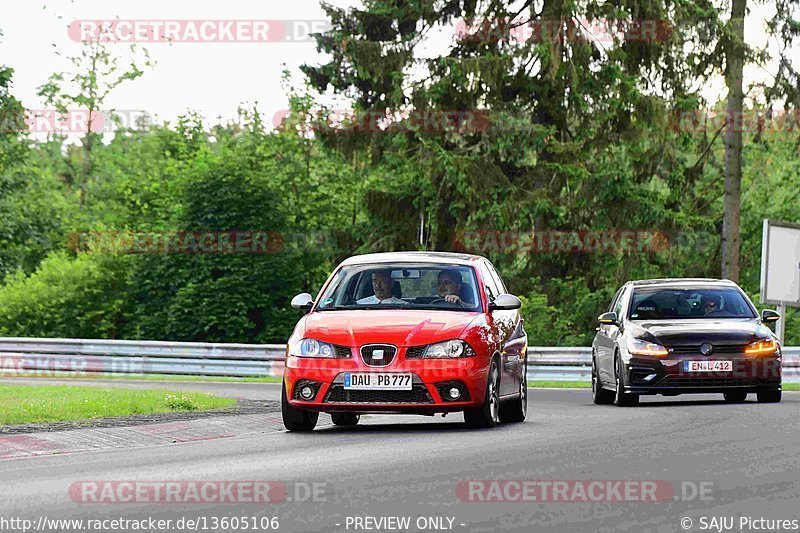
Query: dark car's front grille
[709, 381]
[378, 354]
[694, 349]
[343, 352]
[415, 352]
[417, 394]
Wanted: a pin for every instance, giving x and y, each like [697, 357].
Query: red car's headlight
[312, 348]
[448, 349]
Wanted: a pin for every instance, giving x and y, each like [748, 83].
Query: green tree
[97, 72]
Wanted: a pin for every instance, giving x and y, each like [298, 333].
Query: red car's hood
[392, 326]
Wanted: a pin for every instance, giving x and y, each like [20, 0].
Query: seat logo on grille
[377, 354]
[706, 348]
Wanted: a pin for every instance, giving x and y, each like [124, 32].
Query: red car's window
[406, 286]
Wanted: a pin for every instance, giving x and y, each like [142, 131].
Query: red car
[408, 332]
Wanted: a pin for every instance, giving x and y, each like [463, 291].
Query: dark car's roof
[682, 282]
[413, 257]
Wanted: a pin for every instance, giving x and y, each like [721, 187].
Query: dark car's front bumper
[667, 376]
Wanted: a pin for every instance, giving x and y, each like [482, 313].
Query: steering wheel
[437, 300]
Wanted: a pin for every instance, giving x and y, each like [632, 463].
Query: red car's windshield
[402, 286]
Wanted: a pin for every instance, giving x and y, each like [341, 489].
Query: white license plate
[708, 366]
[377, 381]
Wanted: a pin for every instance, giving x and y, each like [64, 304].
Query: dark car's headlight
[643, 347]
[761, 348]
[448, 349]
[312, 348]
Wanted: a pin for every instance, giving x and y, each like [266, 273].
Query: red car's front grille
[417, 394]
[378, 354]
[343, 352]
[415, 352]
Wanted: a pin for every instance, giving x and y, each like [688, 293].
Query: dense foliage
[569, 138]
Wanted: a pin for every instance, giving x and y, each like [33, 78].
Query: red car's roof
[413, 257]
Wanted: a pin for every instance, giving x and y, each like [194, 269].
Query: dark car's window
[657, 304]
[619, 302]
[615, 300]
[401, 286]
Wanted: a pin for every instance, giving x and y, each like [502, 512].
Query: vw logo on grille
[706, 348]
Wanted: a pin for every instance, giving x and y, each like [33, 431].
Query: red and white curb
[92, 439]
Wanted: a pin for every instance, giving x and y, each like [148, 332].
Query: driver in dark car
[710, 303]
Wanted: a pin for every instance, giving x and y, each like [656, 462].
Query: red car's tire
[516, 410]
[345, 419]
[488, 415]
[295, 419]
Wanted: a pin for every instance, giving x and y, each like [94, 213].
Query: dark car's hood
[393, 326]
[683, 332]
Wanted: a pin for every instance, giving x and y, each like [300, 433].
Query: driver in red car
[449, 288]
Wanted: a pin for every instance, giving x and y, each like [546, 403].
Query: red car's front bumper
[431, 379]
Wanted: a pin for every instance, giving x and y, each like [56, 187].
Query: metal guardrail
[32, 356]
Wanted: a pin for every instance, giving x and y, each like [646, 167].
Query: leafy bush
[82, 297]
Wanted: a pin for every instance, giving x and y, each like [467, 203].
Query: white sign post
[780, 269]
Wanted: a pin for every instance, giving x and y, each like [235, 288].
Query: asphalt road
[745, 457]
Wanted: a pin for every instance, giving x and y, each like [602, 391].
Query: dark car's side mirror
[505, 302]
[608, 319]
[768, 315]
[303, 301]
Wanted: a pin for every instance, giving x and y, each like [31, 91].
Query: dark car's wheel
[295, 419]
[600, 395]
[735, 396]
[517, 409]
[769, 396]
[620, 398]
[488, 414]
[345, 419]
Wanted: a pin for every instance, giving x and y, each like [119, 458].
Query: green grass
[25, 404]
[141, 377]
[559, 384]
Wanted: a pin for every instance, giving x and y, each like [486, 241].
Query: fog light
[455, 393]
[306, 392]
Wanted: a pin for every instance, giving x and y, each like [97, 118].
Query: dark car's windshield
[402, 286]
[657, 304]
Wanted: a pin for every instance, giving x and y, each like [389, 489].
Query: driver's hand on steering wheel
[453, 299]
